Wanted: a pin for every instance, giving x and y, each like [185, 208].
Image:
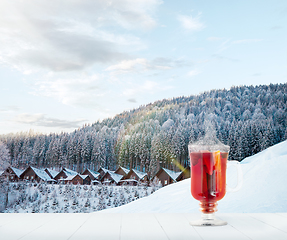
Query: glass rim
[194, 147]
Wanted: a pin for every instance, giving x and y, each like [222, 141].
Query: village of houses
[121, 176]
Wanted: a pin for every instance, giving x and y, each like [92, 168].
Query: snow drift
[264, 189]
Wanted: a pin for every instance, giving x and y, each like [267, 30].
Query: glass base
[208, 220]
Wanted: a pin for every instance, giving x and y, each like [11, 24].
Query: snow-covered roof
[17, 171]
[94, 173]
[104, 169]
[141, 175]
[52, 172]
[42, 174]
[83, 176]
[115, 176]
[172, 174]
[69, 172]
[71, 177]
[124, 169]
[1, 172]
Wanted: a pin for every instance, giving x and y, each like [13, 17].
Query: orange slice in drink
[217, 161]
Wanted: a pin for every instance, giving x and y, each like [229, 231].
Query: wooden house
[166, 176]
[34, 174]
[64, 173]
[12, 173]
[102, 171]
[92, 174]
[137, 175]
[52, 173]
[77, 179]
[122, 171]
[110, 178]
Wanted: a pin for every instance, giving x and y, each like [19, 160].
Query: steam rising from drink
[209, 142]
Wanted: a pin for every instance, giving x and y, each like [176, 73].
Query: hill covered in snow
[247, 118]
[264, 189]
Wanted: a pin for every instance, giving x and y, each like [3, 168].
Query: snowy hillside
[49, 198]
[264, 189]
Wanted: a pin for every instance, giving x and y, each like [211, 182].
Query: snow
[116, 177]
[27, 197]
[172, 174]
[42, 174]
[167, 124]
[94, 173]
[125, 170]
[264, 189]
[52, 172]
[69, 177]
[17, 171]
[105, 170]
[83, 176]
[128, 181]
[69, 172]
[96, 182]
[141, 175]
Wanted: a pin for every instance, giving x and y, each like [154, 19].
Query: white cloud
[28, 118]
[191, 23]
[129, 65]
[132, 100]
[193, 73]
[9, 109]
[84, 91]
[142, 64]
[148, 87]
[70, 35]
[99, 90]
[40, 119]
[136, 65]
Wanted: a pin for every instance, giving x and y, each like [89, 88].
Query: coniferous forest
[247, 118]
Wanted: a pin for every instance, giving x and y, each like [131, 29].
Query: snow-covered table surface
[139, 226]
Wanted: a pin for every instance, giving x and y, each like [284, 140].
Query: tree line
[247, 118]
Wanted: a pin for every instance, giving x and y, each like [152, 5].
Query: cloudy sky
[65, 63]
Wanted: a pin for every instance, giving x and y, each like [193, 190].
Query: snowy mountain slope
[264, 189]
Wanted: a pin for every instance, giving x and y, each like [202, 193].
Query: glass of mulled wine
[208, 164]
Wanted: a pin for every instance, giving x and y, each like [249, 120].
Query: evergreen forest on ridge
[247, 118]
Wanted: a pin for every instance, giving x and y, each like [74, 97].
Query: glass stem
[208, 216]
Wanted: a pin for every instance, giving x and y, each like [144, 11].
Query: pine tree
[122, 200]
[87, 203]
[102, 203]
